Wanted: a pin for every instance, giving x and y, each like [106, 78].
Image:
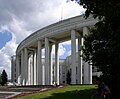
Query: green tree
[102, 45]
[68, 77]
[4, 78]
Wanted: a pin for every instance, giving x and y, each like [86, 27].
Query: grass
[69, 92]
[2, 86]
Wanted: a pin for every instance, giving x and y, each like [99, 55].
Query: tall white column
[90, 73]
[56, 64]
[43, 73]
[26, 65]
[47, 61]
[86, 73]
[73, 57]
[32, 70]
[35, 66]
[39, 63]
[12, 72]
[29, 77]
[79, 72]
[51, 66]
[18, 69]
[22, 68]
[87, 69]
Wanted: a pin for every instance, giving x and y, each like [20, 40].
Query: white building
[64, 67]
[13, 69]
[29, 62]
[31, 69]
[67, 66]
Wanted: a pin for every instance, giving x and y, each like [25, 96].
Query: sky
[20, 18]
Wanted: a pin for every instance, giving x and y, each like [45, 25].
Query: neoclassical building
[87, 73]
[30, 68]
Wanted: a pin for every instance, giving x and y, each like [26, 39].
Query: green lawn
[69, 92]
[2, 86]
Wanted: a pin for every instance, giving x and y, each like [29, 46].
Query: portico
[32, 70]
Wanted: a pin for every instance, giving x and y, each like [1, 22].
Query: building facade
[64, 67]
[29, 65]
[13, 69]
[86, 78]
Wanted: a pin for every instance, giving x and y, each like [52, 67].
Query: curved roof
[58, 31]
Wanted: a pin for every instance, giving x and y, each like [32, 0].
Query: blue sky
[5, 36]
[67, 47]
[20, 18]
[68, 50]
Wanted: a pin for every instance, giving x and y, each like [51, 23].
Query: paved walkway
[5, 95]
[8, 92]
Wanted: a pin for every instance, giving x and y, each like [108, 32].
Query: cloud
[5, 53]
[72, 9]
[17, 29]
[23, 17]
[69, 53]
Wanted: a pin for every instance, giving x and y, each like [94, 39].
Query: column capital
[73, 30]
[17, 55]
[40, 40]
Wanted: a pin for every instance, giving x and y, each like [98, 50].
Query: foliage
[3, 78]
[68, 77]
[102, 45]
[97, 48]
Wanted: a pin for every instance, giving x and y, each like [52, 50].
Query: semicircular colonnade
[30, 68]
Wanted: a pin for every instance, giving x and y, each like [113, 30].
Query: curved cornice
[57, 28]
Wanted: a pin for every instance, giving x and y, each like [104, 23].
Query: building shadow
[76, 94]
